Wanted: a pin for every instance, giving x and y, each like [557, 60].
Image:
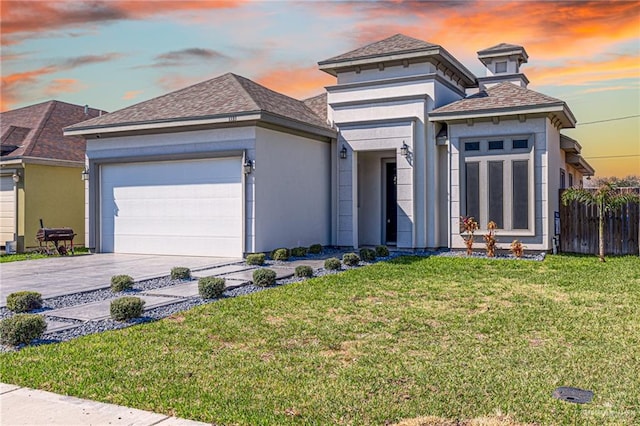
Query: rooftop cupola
[503, 64]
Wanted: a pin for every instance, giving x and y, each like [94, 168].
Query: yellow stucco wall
[55, 195]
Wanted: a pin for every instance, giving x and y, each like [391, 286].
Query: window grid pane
[472, 172]
[520, 143]
[496, 192]
[496, 144]
[520, 194]
[472, 146]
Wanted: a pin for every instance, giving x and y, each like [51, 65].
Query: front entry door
[390, 203]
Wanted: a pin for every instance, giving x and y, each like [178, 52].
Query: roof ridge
[40, 128]
[240, 82]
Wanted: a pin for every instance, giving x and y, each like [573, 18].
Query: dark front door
[391, 204]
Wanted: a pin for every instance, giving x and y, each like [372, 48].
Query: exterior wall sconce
[247, 167]
[343, 152]
[85, 174]
[16, 177]
[404, 150]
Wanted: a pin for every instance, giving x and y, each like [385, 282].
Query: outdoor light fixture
[85, 174]
[247, 167]
[16, 177]
[343, 152]
[404, 150]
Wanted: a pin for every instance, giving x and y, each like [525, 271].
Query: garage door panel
[195, 228]
[7, 209]
[177, 245]
[192, 206]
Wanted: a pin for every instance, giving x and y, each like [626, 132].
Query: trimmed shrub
[121, 283]
[24, 301]
[126, 308]
[315, 248]
[280, 254]
[299, 252]
[303, 271]
[332, 264]
[367, 255]
[180, 273]
[256, 259]
[264, 277]
[382, 251]
[350, 259]
[21, 328]
[211, 287]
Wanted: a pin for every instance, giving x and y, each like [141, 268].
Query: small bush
[256, 259]
[264, 277]
[211, 287]
[126, 308]
[332, 264]
[350, 259]
[121, 283]
[21, 328]
[382, 251]
[299, 252]
[304, 271]
[315, 248]
[180, 273]
[367, 255]
[24, 301]
[280, 254]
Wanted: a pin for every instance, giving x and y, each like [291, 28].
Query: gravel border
[97, 326]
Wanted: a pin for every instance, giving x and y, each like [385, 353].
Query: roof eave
[161, 124]
[567, 118]
[233, 119]
[581, 164]
[332, 67]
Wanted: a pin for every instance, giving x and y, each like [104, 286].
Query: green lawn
[16, 257]
[446, 337]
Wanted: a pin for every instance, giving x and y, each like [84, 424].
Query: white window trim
[507, 156]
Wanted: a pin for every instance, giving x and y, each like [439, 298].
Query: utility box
[10, 247]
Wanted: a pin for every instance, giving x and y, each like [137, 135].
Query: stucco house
[40, 171]
[406, 142]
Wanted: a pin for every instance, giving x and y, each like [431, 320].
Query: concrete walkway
[56, 276]
[24, 406]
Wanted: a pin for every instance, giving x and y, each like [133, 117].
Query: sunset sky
[112, 54]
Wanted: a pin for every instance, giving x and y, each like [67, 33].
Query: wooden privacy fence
[579, 228]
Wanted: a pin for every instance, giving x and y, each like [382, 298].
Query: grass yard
[446, 337]
[17, 257]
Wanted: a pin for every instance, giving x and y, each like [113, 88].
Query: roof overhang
[196, 123]
[436, 55]
[570, 145]
[22, 160]
[580, 164]
[558, 112]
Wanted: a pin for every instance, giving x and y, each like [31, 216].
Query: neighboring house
[40, 171]
[393, 153]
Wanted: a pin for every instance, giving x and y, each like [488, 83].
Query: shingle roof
[394, 44]
[318, 104]
[498, 48]
[224, 95]
[501, 96]
[36, 131]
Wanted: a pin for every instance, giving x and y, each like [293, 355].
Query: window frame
[508, 155]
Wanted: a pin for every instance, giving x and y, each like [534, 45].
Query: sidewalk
[24, 406]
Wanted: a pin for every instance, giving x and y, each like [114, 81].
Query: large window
[498, 182]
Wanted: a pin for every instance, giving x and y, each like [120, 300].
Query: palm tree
[606, 198]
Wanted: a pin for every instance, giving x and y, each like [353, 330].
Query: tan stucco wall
[53, 194]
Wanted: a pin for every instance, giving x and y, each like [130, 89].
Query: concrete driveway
[56, 276]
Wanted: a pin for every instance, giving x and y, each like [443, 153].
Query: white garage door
[191, 207]
[7, 209]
